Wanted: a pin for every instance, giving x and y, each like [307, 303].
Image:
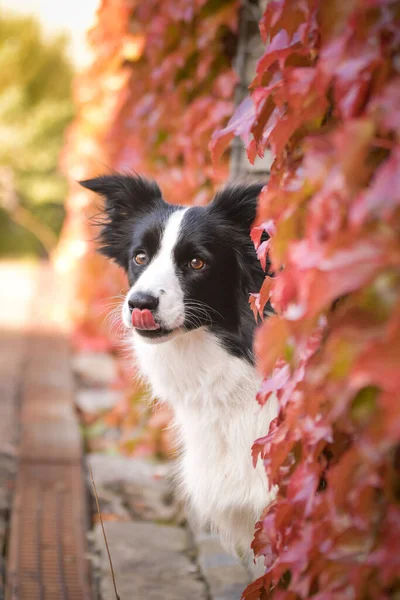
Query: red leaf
[383, 195]
[240, 125]
[257, 232]
[386, 556]
[379, 365]
[254, 301]
[262, 253]
[386, 107]
[277, 381]
[255, 235]
[276, 329]
[256, 590]
[258, 301]
[351, 63]
[281, 46]
[325, 278]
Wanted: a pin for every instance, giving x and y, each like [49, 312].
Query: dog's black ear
[126, 197]
[238, 203]
[126, 194]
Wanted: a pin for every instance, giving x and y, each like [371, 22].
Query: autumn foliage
[326, 100]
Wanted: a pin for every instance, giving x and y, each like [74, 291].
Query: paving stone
[133, 486]
[153, 502]
[150, 563]
[12, 350]
[7, 477]
[110, 469]
[95, 368]
[112, 504]
[94, 400]
[50, 441]
[225, 575]
[102, 439]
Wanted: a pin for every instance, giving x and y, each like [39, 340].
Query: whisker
[201, 304]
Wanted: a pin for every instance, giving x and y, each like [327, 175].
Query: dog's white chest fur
[212, 394]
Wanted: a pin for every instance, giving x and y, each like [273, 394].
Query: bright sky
[70, 16]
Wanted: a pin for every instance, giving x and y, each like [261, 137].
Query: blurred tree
[35, 107]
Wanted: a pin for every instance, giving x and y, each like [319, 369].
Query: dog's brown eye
[140, 258]
[196, 264]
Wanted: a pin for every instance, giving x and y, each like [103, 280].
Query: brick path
[46, 535]
[155, 551]
[14, 310]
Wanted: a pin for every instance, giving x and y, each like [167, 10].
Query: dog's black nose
[143, 300]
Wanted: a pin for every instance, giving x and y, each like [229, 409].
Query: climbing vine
[325, 100]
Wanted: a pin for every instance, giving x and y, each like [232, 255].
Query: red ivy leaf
[239, 125]
[274, 328]
[277, 381]
[262, 253]
[258, 301]
[257, 589]
[258, 230]
[383, 195]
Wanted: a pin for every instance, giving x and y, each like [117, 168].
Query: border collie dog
[190, 271]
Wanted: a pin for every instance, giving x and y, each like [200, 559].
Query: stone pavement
[156, 553]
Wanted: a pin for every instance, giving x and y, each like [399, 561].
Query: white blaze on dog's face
[158, 278]
[187, 267]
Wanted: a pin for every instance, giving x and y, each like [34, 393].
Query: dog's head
[188, 267]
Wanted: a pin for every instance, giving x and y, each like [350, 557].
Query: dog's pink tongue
[143, 319]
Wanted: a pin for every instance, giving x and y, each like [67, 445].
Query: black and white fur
[200, 361]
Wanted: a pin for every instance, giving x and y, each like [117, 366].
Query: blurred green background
[35, 109]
